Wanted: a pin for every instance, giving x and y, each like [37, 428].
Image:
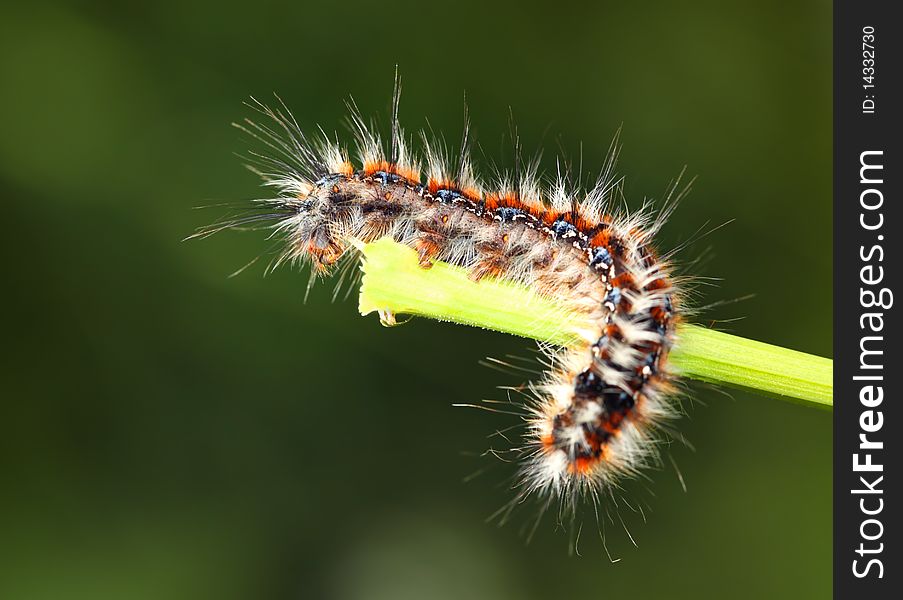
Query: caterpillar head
[312, 225]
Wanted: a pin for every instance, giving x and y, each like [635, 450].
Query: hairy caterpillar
[600, 410]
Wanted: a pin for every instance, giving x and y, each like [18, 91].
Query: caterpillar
[598, 414]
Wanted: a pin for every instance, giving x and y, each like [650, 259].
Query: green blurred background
[169, 432]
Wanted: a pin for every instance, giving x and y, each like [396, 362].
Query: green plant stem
[394, 283]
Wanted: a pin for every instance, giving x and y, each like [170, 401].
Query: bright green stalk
[394, 283]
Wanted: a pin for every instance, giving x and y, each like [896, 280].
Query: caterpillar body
[599, 412]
